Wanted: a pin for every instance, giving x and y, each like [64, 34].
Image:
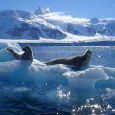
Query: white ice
[92, 77]
[56, 82]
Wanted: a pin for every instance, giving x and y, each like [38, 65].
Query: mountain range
[44, 24]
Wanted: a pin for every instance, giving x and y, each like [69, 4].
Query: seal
[27, 55]
[77, 61]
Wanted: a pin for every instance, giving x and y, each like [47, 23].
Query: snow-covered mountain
[18, 24]
[26, 25]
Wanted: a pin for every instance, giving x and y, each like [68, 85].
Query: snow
[72, 39]
[41, 11]
[47, 25]
[60, 17]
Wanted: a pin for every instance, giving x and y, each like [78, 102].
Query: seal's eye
[89, 52]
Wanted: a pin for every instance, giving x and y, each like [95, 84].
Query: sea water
[35, 89]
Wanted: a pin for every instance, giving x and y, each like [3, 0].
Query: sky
[75, 8]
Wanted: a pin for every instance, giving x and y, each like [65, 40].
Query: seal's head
[27, 53]
[27, 49]
[88, 53]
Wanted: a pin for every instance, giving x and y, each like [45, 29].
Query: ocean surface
[59, 89]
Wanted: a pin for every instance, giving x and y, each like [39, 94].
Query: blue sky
[76, 8]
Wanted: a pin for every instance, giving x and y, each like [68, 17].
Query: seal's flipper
[49, 63]
[15, 54]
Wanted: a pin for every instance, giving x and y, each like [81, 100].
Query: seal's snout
[89, 52]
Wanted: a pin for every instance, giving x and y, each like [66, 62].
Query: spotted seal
[77, 61]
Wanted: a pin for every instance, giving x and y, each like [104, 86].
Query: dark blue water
[21, 99]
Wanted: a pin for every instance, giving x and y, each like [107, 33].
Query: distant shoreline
[98, 43]
[59, 43]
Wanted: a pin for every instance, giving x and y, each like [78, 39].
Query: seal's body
[27, 55]
[77, 61]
